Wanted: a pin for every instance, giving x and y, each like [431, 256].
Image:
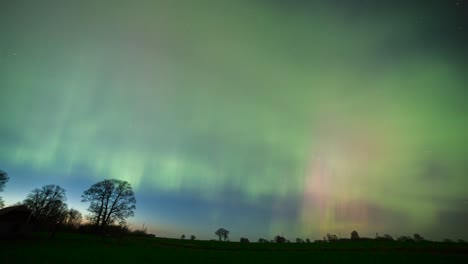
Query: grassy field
[77, 248]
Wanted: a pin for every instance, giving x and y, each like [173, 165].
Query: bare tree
[3, 180]
[110, 201]
[222, 234]
[47, 204]
[74, 218]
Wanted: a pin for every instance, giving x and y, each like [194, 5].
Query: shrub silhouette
[332, 238]
[388, 237]
[280, 239]
[354, 235]
[418, 238]
[404, 239]
[244, 240]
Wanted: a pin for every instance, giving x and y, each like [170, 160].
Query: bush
[244, 240]
[280, 239]
[404, 239]
[299, 240]
[332, 238]
[418, 238]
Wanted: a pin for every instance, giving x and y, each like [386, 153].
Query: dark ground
[80, 248]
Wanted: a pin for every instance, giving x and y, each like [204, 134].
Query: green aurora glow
[344, 111]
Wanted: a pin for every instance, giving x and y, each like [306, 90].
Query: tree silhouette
[193, 237]
[299, 240]
[222, 234]
[74, 218]
[354, 235]
[110, 201]
[182, 237]
[3, 180]
[404, 239]
[418, 238]
[280, 239]
[47, 204]
[244, 240]
[388, 237]
[331, 238]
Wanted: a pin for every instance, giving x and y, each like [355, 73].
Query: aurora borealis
[263, 117]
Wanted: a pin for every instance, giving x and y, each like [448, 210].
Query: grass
[80, 248]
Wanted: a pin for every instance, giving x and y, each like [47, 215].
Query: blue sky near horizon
[264, 117]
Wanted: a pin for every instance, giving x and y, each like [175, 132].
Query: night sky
[263, 117]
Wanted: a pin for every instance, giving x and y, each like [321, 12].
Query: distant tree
[74, 218]
[354, 235]
[222, 234]
[388, 237]
[418, 238]
[299, 240]
[244, 240]
[280, 239]
[405, 239]
[182, 237]
[18, 203]
[447, 240]
[262, 240]
[332, 238]
[3, 180]
[461, 241]
[110, 200]
[193, 237]
[140, 232]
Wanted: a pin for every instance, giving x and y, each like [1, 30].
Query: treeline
[111, 202]
[330, 238]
